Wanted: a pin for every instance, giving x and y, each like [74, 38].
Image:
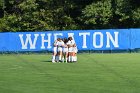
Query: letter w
[28, 40]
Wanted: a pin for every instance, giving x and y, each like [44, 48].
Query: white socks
[63, 59]
[75, 58]
[70, 58]
[53, 58]
[60, 57]
[66, 60]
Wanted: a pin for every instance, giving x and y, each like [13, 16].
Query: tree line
[42, 15]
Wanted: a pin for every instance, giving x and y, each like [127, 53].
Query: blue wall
[110, 39]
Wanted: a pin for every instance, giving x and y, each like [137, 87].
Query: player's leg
[66, 54]
[70, 54]
[70, 57]
[57, 57]
[63, 56]
[66, 57]
[54, 54]
[60, 53]
[75, 55]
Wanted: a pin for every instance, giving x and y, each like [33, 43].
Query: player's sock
[66, 60]
[69, 58]
[59, 57]
[63, 59]
[75, 58]
[53, 58]
[72, 58]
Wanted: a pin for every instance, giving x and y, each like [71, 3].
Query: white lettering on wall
[110, 38]
[44, 40]
[48, 41]
[28, 40]
[84, 38]
[95, 40]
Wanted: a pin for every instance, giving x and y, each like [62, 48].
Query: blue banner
[135, 38]
[110, 39]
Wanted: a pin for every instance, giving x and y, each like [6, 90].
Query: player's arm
[56, 43]
[63, 45]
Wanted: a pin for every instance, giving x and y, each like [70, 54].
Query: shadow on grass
[47, 61]
[57, 62]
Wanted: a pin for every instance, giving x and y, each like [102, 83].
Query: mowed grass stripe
[93, 73]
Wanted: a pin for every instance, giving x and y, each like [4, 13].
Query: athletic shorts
[55, 49]
[70, 49]
[60, 49]
[75, 50]
[65, 50]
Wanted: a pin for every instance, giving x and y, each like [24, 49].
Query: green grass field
[93, 73]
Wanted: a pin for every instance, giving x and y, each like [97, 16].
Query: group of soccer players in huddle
[64, 50]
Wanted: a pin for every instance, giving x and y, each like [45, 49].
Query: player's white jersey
[60, 45]
[71, 43]
[65, 49]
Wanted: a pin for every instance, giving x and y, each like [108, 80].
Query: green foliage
[61, 18]
[136, 17]
[122, 14]
[97, 14]
[1, 3]
[32, 18]
[9, 23]
[35, 15]
[123, 9]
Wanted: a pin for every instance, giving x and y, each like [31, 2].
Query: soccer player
[54, 51]
[70, 44]
[65, 50]
[60, 45]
